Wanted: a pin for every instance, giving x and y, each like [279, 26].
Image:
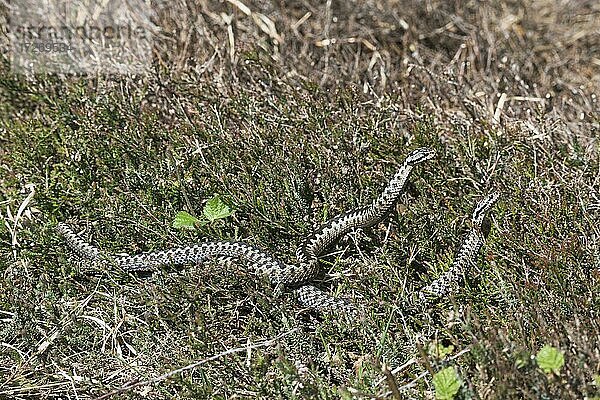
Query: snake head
[419, 155]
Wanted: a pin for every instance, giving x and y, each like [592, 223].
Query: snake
[298, 276]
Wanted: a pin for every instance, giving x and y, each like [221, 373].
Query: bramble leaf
[185, 220]
[446, 383]
[550, 359]
[215, 208]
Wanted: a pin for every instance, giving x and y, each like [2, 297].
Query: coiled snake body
[297, 275]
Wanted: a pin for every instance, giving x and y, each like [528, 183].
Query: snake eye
[420, 155]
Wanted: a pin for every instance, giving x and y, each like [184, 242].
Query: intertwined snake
[297, 276]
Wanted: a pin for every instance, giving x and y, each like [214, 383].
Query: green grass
[289, 143]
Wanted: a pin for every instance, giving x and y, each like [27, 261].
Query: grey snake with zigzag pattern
[298, 275]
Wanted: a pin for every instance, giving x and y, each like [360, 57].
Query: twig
[169, 374]
[391, 381]
[17, 217]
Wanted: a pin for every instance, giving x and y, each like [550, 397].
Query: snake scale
[297, 276]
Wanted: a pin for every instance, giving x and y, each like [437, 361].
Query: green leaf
[522, 359]
[550, 359]
[446, 383]
[215, 208]
[438, 350]
[597, 380]
[185, 220]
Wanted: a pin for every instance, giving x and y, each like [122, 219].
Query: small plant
[597, 384]
[214, 209]
[522, 359]
[438, 350]
[446, 383]
[550, 359]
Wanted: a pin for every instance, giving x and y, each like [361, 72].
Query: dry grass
[295, 112]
